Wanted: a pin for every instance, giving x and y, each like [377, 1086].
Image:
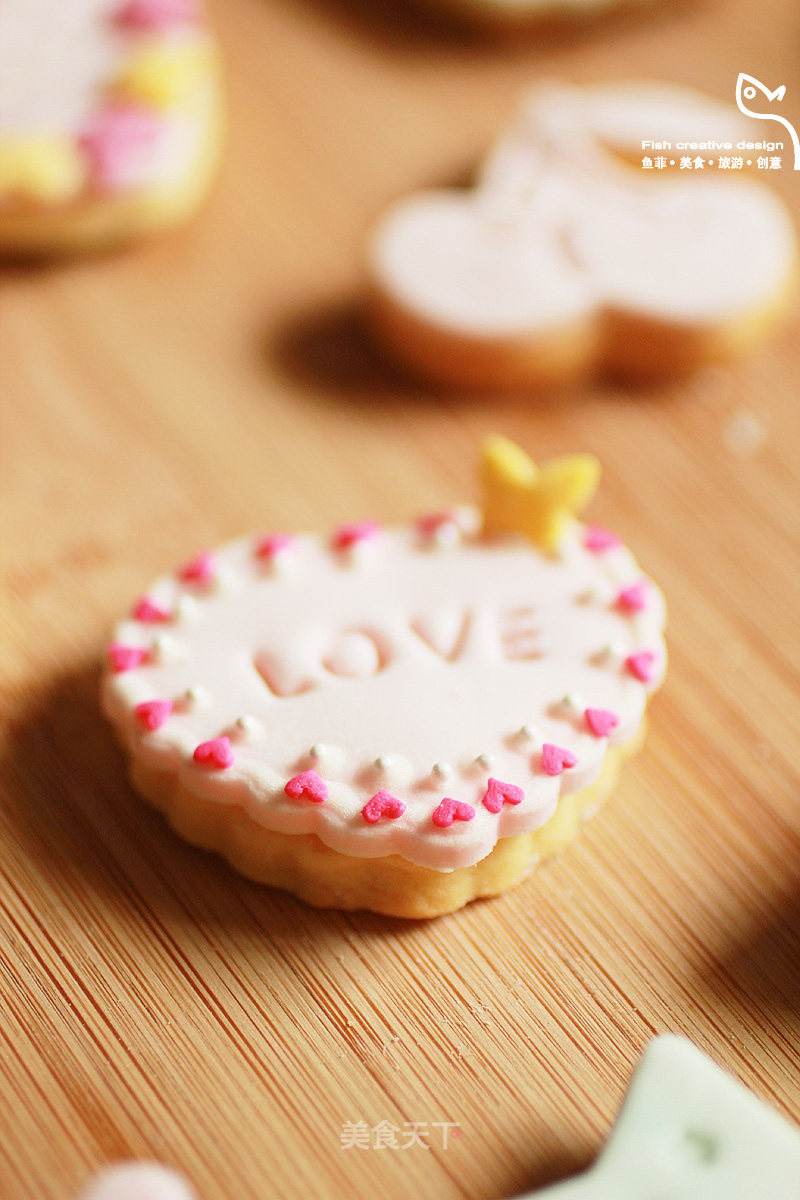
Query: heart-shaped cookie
[381, 722]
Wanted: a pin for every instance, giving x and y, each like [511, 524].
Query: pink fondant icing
[601, 722]
[556, 758]
[125, 658]
[449, 810]
[307, 785]
[429, 659]
[497, 794]
[215, 753]
[200, 569]
[597, 539]
[153, 713]
[148, 612]
[354, 532]
[382, 804]
[641, 665]
[633, 598]
[115, 140]
[157, 15]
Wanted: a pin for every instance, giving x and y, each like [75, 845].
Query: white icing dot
[248, 727]
[612, 652]
[528, 733]
[225, 578]
[394, 769]
[197, 696]
[442, 770]
[485, 760]
[281, 562]
[326, 757]
[596, 593]
[187, 608]
[167, 650]
[447, 534]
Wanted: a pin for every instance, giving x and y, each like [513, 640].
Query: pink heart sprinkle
[114, 141]
[449, 810]
[555, 759]
[633, 598]
[353, 533]
[307, 784]
[217, 753]
[158, 15]
[125, 658]
[601, 722]
[382, 804]
[597, 539]
[498, 794]
[147, 611]
[200, 569]
[641, 665]
[153, 713]
[274, 543]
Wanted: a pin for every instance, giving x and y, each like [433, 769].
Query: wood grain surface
[153, 402]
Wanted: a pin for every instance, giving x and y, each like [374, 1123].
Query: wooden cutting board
[154, 1004]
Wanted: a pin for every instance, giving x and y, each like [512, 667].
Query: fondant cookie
[564, 259]
[688, 1130]
[396, 719]
[109, 119]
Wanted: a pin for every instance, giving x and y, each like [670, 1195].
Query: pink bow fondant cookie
[565, 259]
[115, 135]
[395, 720]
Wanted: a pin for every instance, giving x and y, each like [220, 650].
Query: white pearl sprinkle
[447, 534]
[198, 696]
[247, 726]
[225, 578]
[572, 703]
[166, 650]
[484, 760]
[612, 651]
[327, 757]
[528, 733]
[442, 770]
[187, 608]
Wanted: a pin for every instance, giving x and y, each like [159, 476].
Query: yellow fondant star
[47, 168]
[164, 75]
[539, 502]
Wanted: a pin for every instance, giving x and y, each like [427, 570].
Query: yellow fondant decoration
[162, 75]
[539, 502]
[45, 168]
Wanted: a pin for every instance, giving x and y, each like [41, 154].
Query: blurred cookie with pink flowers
[110, 120]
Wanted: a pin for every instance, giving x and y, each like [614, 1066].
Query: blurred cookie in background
[110, 120]
[621, 228]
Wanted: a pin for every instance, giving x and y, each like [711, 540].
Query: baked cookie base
[326, 878]
[619, 344]
[103, 222]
